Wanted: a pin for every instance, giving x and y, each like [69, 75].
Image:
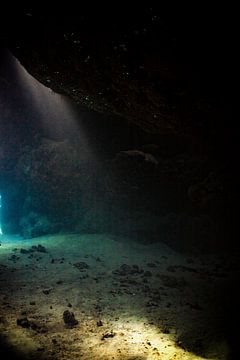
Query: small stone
[108, 335]
[69, 319]
[39, 248]
[152, 265]
[152, 304]
[47, 291]
[23, 322]
[14, 258]
[165, 330]
[40, 349]
[24, 251]
[82, 266]
[125, 270]
[136, 267]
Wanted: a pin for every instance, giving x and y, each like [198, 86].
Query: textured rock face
[164, 171]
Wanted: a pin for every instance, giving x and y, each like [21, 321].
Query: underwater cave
[117, 188]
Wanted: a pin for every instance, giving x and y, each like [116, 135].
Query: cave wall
[163, 130]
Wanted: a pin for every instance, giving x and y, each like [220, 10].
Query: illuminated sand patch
[137, 340]
[132, 340]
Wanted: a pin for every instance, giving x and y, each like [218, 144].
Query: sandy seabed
[131, 301]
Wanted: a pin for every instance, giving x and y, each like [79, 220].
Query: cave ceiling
[164, 71]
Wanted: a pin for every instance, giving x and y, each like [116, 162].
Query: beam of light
[56, 115]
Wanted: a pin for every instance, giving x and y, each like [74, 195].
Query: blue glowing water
[1, 233]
